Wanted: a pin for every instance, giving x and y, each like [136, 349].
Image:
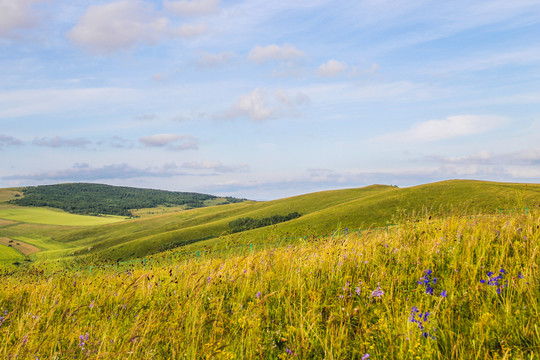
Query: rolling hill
[321, 213]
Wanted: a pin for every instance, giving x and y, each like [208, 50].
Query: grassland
[458, 287]
[322, 213]
[9, 255]
[49, 216]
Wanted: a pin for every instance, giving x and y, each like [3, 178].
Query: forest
[97, 199]
[247, 223]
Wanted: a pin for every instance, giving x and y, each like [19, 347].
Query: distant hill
[96, 199]
[321, 214]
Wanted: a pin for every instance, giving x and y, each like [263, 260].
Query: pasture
[8, 254]
[50, 216]
[20, 246]
[459, 287]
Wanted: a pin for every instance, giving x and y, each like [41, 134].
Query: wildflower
[422, 319]
[358, 290]
[426, 281]
[82, 340]
[443, 293]
[496, 280]
[366, 356]
[377, 293]
[520, 275]
[91, 306]
[258, 295]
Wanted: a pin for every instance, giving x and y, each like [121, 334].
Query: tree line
[247, 223]
[97, 199]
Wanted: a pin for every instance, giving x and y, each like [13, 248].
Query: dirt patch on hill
[23, 248]
[6, 222]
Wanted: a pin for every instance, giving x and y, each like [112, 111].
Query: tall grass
[420, 290]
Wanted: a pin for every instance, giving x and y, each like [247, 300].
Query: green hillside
[322, 213]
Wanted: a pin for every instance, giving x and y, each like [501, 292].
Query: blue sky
[267, 99]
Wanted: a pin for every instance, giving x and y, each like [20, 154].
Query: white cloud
[171, 141]
[261, 54]
[331, 68]
[252, 105]
[208, 60]
[124, 24]
[452, 126]
[15, 15]
[260, 105]
[192, 8]
[118, 25]
[189, 30]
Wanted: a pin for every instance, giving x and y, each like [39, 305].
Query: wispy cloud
[84, 171]
[193, 7]
[59, 142]
[215, 166]
[6, 140]
[16, 103]
[260, 54]
[171, 141]
[450, 127]
[210, 60]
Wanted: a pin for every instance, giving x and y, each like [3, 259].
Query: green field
[322, 213]
[9, 255]
[294, 290]
[48, 216]
[462, 287]
[89, 238]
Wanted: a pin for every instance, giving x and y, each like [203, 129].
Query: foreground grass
[459, 288]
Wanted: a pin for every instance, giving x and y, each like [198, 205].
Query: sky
[267, 99]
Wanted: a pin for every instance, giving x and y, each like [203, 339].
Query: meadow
[48, 216]
[452, 287]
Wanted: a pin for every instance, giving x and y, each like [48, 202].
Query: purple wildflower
[422, 319]
[443, 293]
[496, 280]
[82, 340]
[365, 357]
[427, 282]
[258, 295]
[377, 293]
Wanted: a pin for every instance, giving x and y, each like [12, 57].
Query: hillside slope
[322, 213]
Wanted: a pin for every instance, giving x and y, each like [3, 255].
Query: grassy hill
[322, 213]
[462, 287]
